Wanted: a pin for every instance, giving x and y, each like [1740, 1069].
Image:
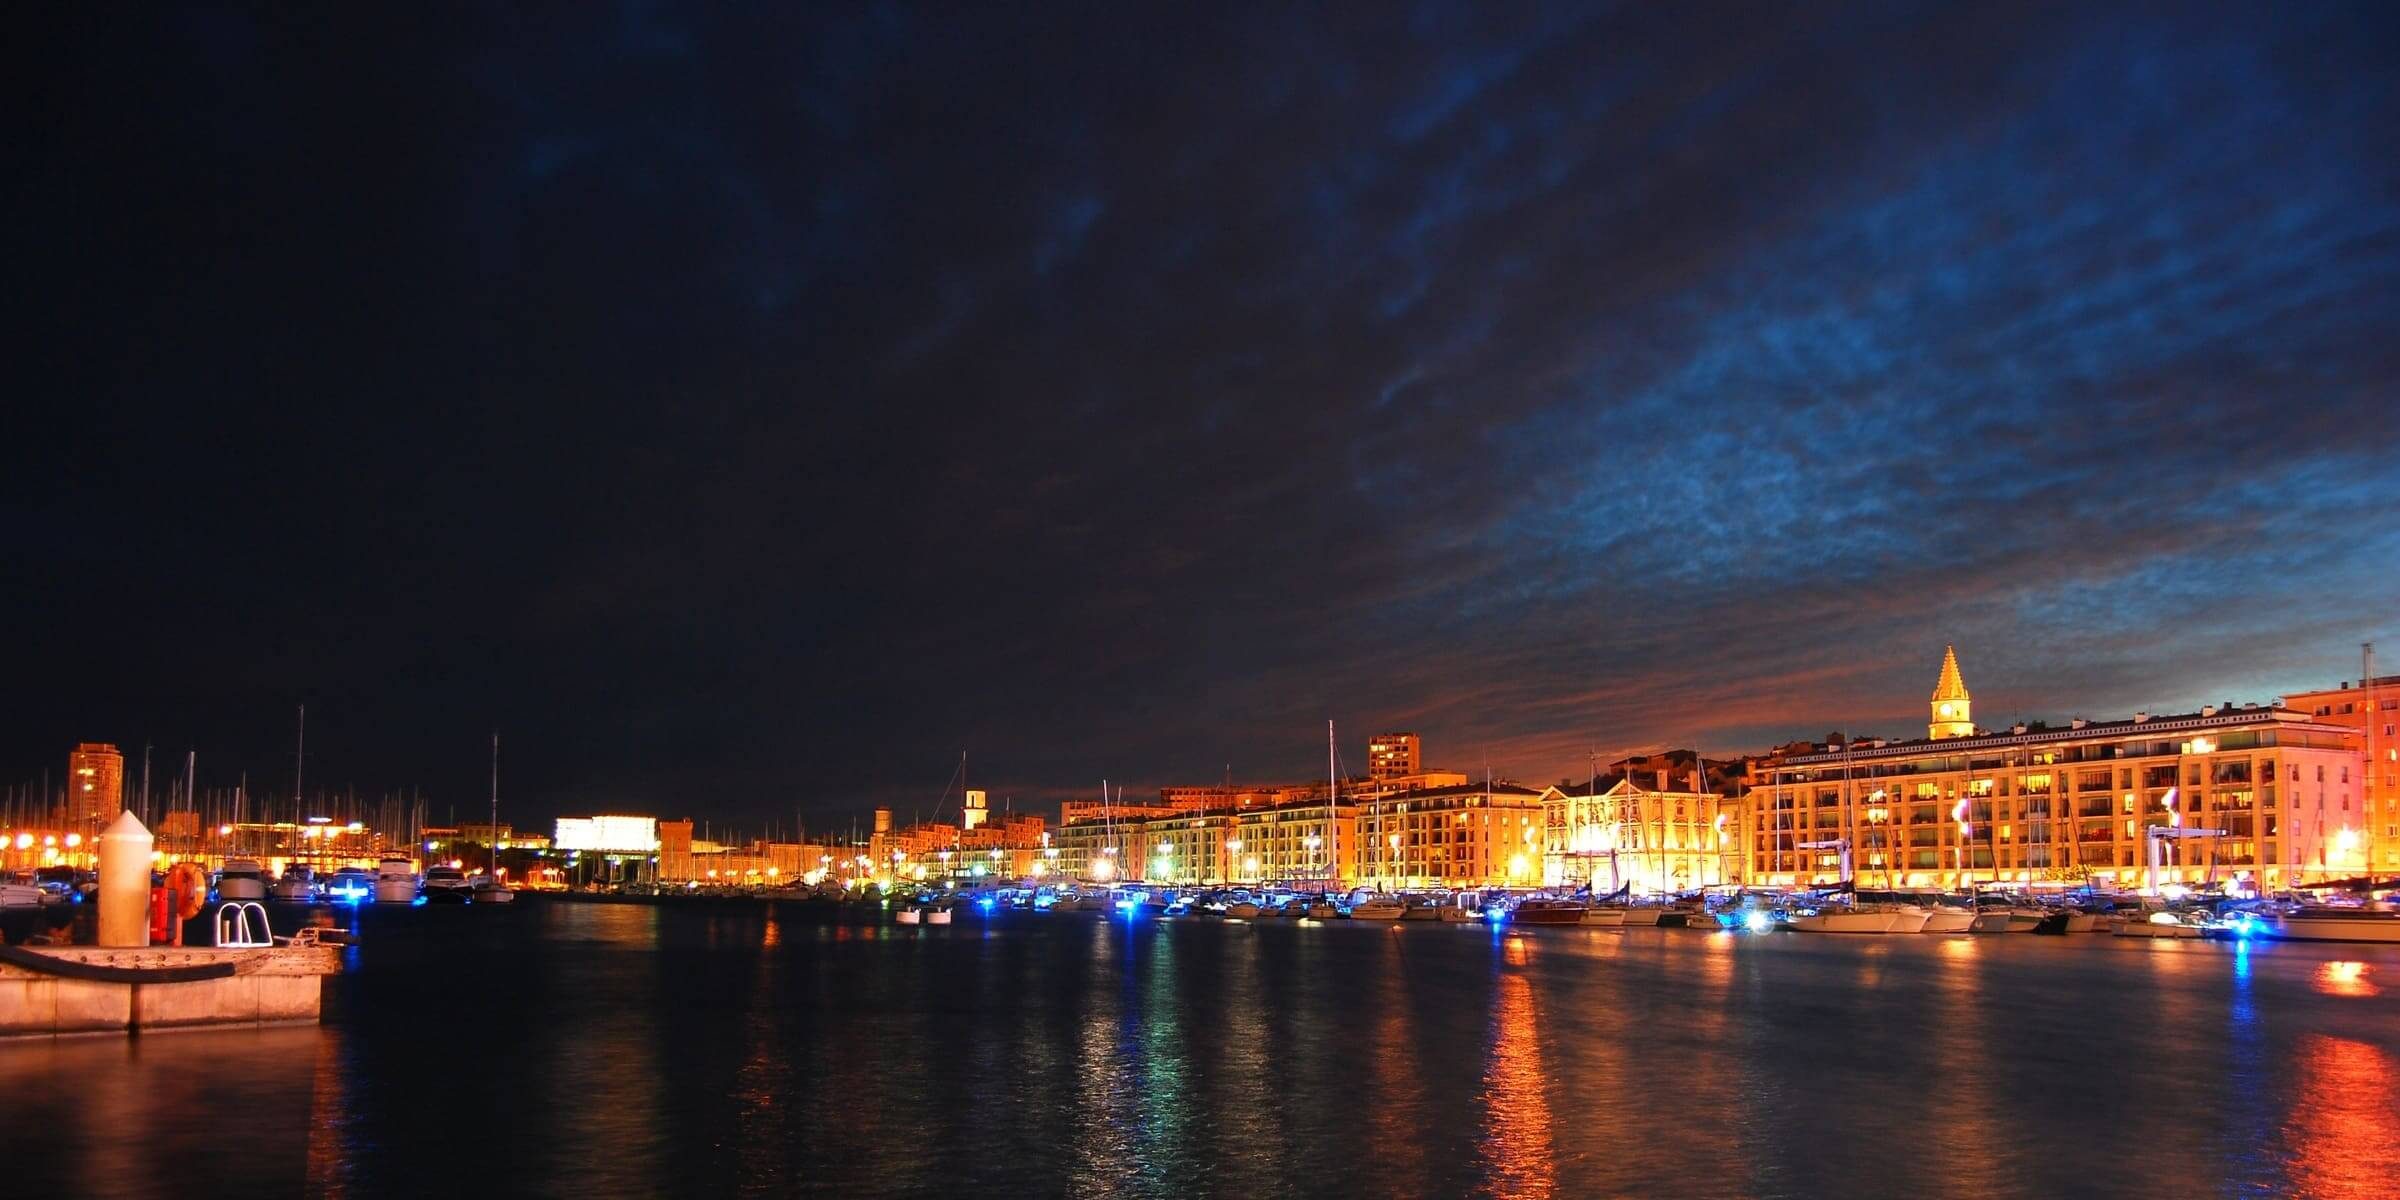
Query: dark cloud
[747, 408]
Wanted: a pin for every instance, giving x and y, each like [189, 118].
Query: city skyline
[743, 412]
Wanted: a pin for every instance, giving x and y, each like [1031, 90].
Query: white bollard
[125, 883]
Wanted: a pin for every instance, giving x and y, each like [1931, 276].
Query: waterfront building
[2372, 707]
[1305, 842]
[95, 786]
[1231, 797]
[1188, 849]
[1107, 851]
[977, 809]
[1079, 812]
[1657, 839]
[1462, 835]
[1393, 755]
[2275, 791]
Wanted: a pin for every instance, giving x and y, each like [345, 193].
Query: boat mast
[299, 766]
[491, 835]
[1333, 796]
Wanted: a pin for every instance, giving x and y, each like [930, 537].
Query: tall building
[1390, 755]
[2266, 795]
[1952, 708]
[2372, 707]
[978, 809]
[95, 784]
[1464, 835]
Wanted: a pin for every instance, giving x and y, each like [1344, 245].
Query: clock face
[1945, 710]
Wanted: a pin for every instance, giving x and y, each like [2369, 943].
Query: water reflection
[2344, 1132]
[1516, 1141]
[720, 1049]
[2347, 979]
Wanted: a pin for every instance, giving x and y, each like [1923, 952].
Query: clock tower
[1951, 704]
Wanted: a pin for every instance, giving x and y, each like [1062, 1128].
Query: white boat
[937, 915]
[1949, 920]
[2161, 924]
[395, 881]
[20, 895]
[1839, 918]
[241, 879]
[1607, 917]
[1379, 908]
[1643, 916]
[486, 890]
[1323, 910]
[2324, 924]
[909, 916]
[1910, 918]
[298, 885]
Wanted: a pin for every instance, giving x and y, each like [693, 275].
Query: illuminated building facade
[1463, 835]
[2372, 707]
[1102, 851]
[1186, 849]
[2041, 806]
[1307, 842]
[95, 786]
[1653, 838]
[1393, 755]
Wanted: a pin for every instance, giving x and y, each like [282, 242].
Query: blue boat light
[1757, 921]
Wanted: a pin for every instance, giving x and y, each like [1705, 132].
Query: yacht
[446, 885]
[1459, 914]
[1378, 908]
[1607, 916]
[2324, 923]
[395, 881]
[242, 879]
[1948, 918]
[15, 893]
[298, 885]
[1846, 918]
[1549, 912]
[2161, 924]
[1423, 908]
[350, 885]
[487, 890]
[1243, 909]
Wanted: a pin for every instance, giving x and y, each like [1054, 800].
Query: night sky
[746, 409]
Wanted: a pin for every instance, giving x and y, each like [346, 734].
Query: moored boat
[1548, 912]
[241, 879]
[297, 886]
[1378, 908]
[2323, 923]
[395, 881]
[445, 885]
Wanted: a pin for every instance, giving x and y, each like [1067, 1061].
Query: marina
[742, 1045]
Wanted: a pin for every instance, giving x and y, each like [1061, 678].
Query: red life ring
[187, 889]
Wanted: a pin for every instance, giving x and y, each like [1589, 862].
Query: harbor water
[755, 1048]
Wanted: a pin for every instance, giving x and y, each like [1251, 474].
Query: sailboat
[488, 887]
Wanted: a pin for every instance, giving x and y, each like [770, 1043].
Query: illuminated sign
[608, 835]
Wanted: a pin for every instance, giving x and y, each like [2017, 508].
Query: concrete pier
[284, 985]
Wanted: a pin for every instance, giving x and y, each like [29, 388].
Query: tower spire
[1952, 706]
